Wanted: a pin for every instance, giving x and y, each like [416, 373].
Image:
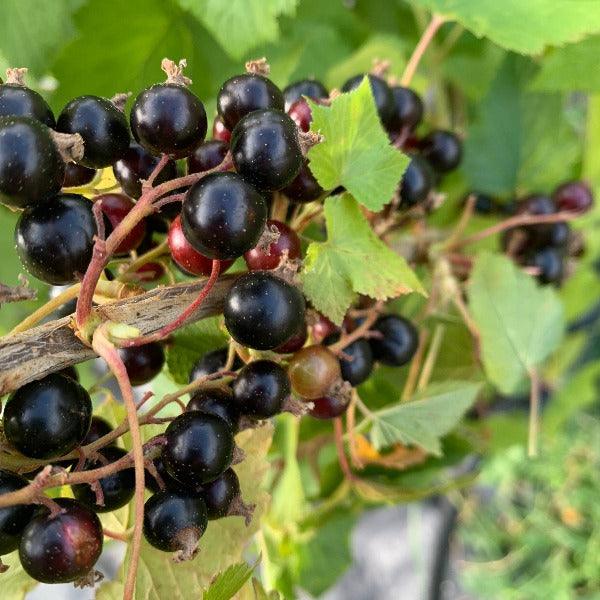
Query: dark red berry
[149, 272]
[13, 519]
[287, 244]
[21, 101]
[304, 187]
[143, 363]
[322, 327]
[398, 342]
[408, 109]
[296, 342]
[382, 94]
[220, 131]
[313, 370]
[216, 401]
[207, 156]
[311, 88]
[329, 407]
[301, 114]
[77, 175]
[219, 495]
[574, 196]
[116, 207]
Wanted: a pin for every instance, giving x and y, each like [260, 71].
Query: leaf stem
[338, 430]
[534, 410]
[432, 354]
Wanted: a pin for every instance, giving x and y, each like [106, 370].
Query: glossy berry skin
[288, 242]
[574, 196]
[207, 156]
[63, 548]
[218, 402]
[399, 342]
[304, 187]
[311, 88]
[312, 371]
[442, 150]
[168, 119]
[13, 519]
[21, 101]
[265, 149]
[55, 241]
[262, 311]
[261, 389]
[301, 113]
[77, 175]
[408, 109]
[219, 495]
[211, 362]
[169, 483]
[31, 168]
[188, 258]
[136, 164]
[246, 93]
[223, 216]
[115, 207]
[296, 342]
[328, 407]
[199, 448]
[143, 363]
[322, 327]
[171, 518]
[98, 428]
[550, 262]
[417, 181]
[220, 131]
[102, 126]
[117, 488]
[384, 100]
[359, 368]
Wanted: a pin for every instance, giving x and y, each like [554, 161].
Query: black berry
[77, 175]
[219, 495]
[550, 262]
[442, 150]
[408, 109]
[304, 187]
[384, 100]
[359, 367]
[143, 363]
[21, 101]
[311, 88]
[98, 428]
[216, 401]
[211, 362]
[398, 342]
[207, 156]
[13, 518]
[417, 181]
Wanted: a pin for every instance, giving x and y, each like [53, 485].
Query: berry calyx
[382, 94]
[311, 88]
[13, 519]
[312, 371]
[116, 207]
[207, 156]
[218, 402]
[398, 342]
[143, 363]
[574, 196]
[287, 244]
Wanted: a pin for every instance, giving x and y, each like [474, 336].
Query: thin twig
[338, 429]
[360, 331]
[432, 354]
[415, 366]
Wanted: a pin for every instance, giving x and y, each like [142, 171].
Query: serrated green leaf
[525, 27]
[228, 583]
[356, 152]
[352, 261]
[240, 25]
[427, 417]
[520, 323]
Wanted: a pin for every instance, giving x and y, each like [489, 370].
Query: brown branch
[16, 293]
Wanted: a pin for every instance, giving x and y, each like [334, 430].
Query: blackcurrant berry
[261, 389]
[21, 101]
[322, 327]
[169, 483]
[262, 311]
[115, 207]
[188, 258]
[77, 175]
[536, 204]
[55, 242]
[143, 363]
[98, 428]
[550, 262]
[312, 371]
[359, 367]
[31, 168]
[442, 150]
[216, 401]
[559, 234]
[135, 165]
[220, 131]
[311, 88]
[301, 113]
[211, 362]
[207, 156]
[574, 196]
[484, 204]
[417, 182]
[13, 518]
[199, 448]
[220, 494]
[288, 243]
[382, 94]
[244, 94]
[398, 342]
[49, 417]
[223, 216]
[117, 489]
[408, 109]
[62, 548]
[168, 119]
[102, 126]
[175, 521]
[265, 149]
[296, 342]
[304, 187]
[328, 407]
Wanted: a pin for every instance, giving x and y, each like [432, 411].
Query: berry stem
[360, 330]
[534, 416]
[162, 163]
[338, 430]
[436, 22]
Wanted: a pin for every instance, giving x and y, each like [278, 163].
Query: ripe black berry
[244, 94]
[417, 182]
[550, 262]
[360, 366]
[115, 207]
[77, 175]
[13, 518]
[62, 548]
[329, 407]
[211, 362]
[223, 216]
[442, 150]
[102, 126]
[384, 101]
[143, 363]
[288, 243]
[408, 109]
[220, 494]
[55, 241]
[31, 168]
[21, 101]
[117, 489]
[261, 388]
[574, 196]
[216, 401]
[207, 156]
[48, 418]
[199, 448]
[175, 521]
[262, 311]
[168, 119]
[559, 234]
[265, 149]
[136, 164]
[169, 483]
[304, 187]
[312, 371]
[311, 88]
[398, 343]
[98, 428]
[536, 204]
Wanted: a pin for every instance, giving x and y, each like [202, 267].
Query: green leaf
[525, 27]
[240, 25]
[422, 421]
[15, 582]
[356, 152]
[228, 583]
[261, 594]
[520, 323]
[352, 261]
